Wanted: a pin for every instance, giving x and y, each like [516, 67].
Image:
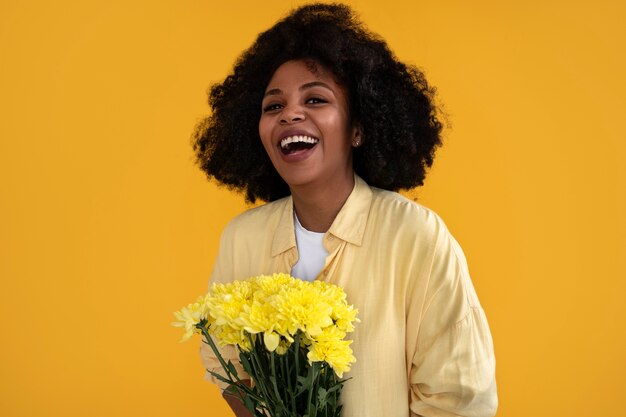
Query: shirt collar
[349, 225]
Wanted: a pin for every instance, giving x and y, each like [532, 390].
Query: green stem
[211, 343]
[290, 391]
[297, 342]
[312, 388]
[237, 382]
[260, 376]
[274, 383]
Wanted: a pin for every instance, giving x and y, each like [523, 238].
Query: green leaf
[303, 384]
[247, 366]
[220, 377]
[335, 388]
[231, 368]
[321, 397]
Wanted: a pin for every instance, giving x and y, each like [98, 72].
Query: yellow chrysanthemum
[344, 316]
[267, 285]
[258, 317]
[303, 309]
[191, 315]
[226, 301]
[227, 335]
[330, 347]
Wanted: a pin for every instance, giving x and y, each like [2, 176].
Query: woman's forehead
[296, 73]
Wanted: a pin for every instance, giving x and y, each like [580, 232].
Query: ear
[357, 136]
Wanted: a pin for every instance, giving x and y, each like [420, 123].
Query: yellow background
[106, 226]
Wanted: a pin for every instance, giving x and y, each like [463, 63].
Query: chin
[298, 178]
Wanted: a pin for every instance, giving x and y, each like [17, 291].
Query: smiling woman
[322, 121]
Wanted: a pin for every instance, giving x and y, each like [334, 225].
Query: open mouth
[294, 144]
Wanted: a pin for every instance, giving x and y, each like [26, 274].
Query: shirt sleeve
[452, 371]
[222, 272]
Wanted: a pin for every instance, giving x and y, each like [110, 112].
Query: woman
[320, 120]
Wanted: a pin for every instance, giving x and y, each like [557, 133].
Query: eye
[316, 100]
[271, 107]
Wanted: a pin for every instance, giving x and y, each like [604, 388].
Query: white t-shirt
[311, 252]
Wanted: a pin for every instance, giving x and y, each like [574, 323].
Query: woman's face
[305, 125]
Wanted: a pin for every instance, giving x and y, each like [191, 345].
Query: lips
[295, 143]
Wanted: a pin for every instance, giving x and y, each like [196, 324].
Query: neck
[317, 205]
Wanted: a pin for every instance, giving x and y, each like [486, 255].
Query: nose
[292, 114]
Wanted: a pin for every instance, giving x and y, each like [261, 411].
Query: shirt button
[330, 238]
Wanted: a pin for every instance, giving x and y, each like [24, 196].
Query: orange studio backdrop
[106, 225]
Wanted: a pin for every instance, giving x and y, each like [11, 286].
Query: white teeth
[291, 139]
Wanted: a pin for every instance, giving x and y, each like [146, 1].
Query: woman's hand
[235, 402]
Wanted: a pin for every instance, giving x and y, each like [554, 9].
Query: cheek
[341, 129]
[265, 133]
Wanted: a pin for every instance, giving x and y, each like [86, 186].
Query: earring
[356, 142]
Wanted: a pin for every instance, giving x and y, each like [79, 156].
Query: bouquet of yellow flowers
[291, 340]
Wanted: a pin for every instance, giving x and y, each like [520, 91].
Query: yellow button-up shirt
[423, 345]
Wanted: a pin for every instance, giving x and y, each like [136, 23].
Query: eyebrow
[276, 91]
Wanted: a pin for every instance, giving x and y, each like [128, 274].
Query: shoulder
[407, 216]
[417, 228]
[256, 220]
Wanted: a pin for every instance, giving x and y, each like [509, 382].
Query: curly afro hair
[390, 101]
